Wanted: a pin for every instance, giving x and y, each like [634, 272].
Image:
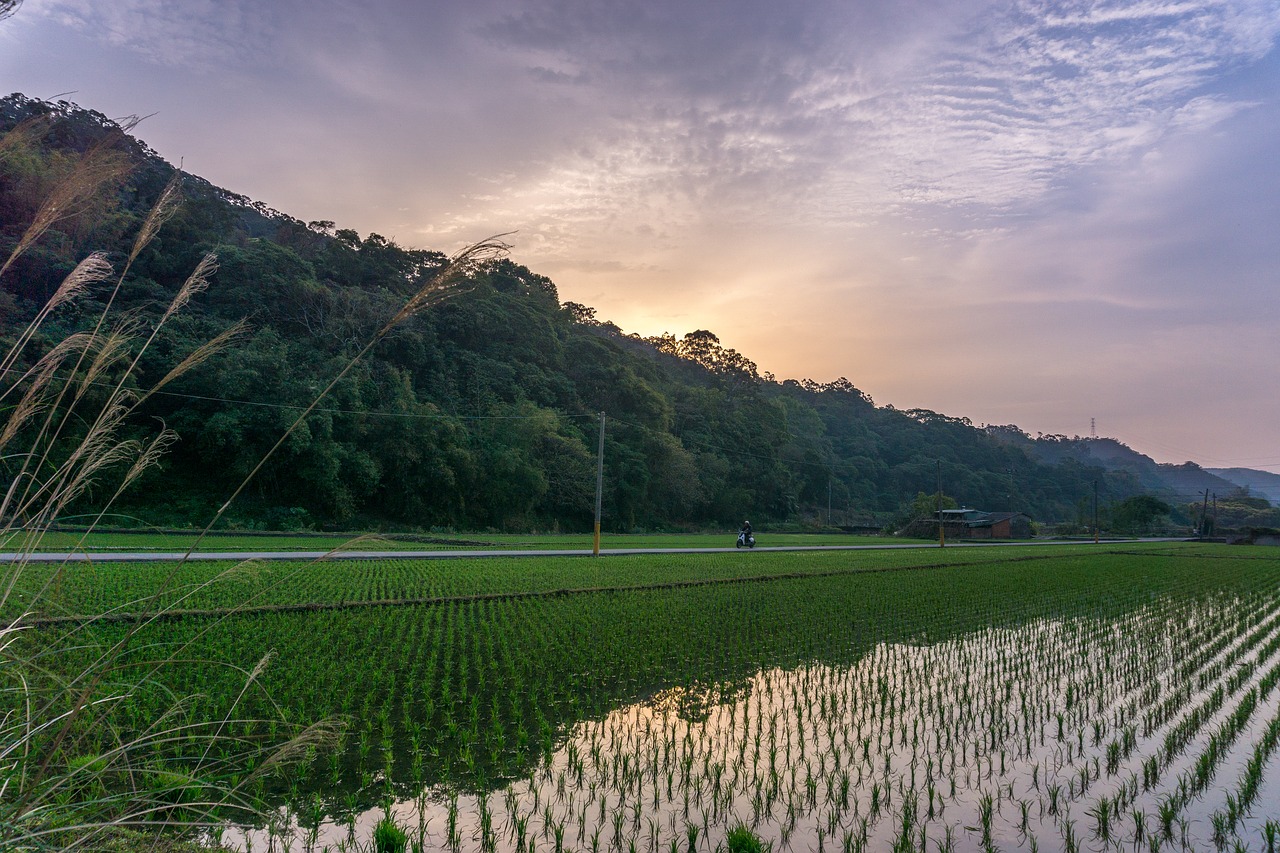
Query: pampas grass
[69, 776]
[61, 783]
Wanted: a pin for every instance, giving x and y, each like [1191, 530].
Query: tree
[582, 313]
[1138, 513]
[927, 506]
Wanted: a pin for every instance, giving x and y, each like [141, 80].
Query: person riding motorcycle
[746, 536]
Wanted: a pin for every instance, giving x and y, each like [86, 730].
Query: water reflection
[1055, 734]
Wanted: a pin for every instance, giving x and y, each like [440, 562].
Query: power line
[328, 410]
[374, 412]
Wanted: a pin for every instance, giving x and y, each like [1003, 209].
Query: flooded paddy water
[1148, 722]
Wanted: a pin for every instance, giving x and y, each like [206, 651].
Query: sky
[1048, 214]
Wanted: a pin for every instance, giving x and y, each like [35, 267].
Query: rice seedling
[389, 836]
[1271, 835]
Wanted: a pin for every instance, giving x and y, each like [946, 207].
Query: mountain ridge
[483, 412]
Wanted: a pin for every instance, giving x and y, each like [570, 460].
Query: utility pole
[595, 542]
[1011, 492]
[829, 501]
[1214, 529]
[1204, 515]
[942, 536]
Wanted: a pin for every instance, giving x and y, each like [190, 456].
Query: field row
[179, 541]
[82, 589]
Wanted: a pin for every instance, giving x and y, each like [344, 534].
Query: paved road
[147, 556]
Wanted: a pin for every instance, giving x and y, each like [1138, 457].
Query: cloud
[893, 183]
[991, 109]
[179, 33]
[667, 113]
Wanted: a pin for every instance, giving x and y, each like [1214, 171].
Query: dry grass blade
[445, 283]
[296, 748]
[40, 396]
[71, 761]
[89, 271]
[95, 453]
[150, 455]
[57, 789]
[102, 454]
[112, 349]
[37, 381]
[22, 136]
[164, 208]
[96, 168]
[32, 402]
[197, 282]
[200, 355]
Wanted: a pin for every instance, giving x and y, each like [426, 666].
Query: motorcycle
[746, 540]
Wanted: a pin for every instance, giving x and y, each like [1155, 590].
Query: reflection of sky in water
[1051, 733]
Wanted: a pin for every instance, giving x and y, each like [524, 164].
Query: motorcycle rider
[744, 533]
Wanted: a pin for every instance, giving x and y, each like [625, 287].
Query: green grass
[89, 588]
[700, 624]
[179, 542]
[175, 541]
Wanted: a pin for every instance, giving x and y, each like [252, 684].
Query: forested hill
[480, 413]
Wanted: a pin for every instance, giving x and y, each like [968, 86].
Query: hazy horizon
[1019, 212]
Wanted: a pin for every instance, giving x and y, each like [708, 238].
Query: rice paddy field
[143, 541]
[1087, 697]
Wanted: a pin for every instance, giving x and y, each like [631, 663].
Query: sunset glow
[1017, 211]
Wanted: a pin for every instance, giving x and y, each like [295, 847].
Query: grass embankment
[120, 590]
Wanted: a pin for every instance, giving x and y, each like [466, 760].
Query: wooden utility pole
[1095, 512]
[595, 542]
[942, 536]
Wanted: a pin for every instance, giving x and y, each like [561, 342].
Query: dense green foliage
[1139, 513]
[1233, 512]
[480, 413]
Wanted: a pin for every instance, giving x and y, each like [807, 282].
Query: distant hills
[1177, 483]
[482, 413]
[1262, 484]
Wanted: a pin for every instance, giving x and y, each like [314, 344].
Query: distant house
[968, 523]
